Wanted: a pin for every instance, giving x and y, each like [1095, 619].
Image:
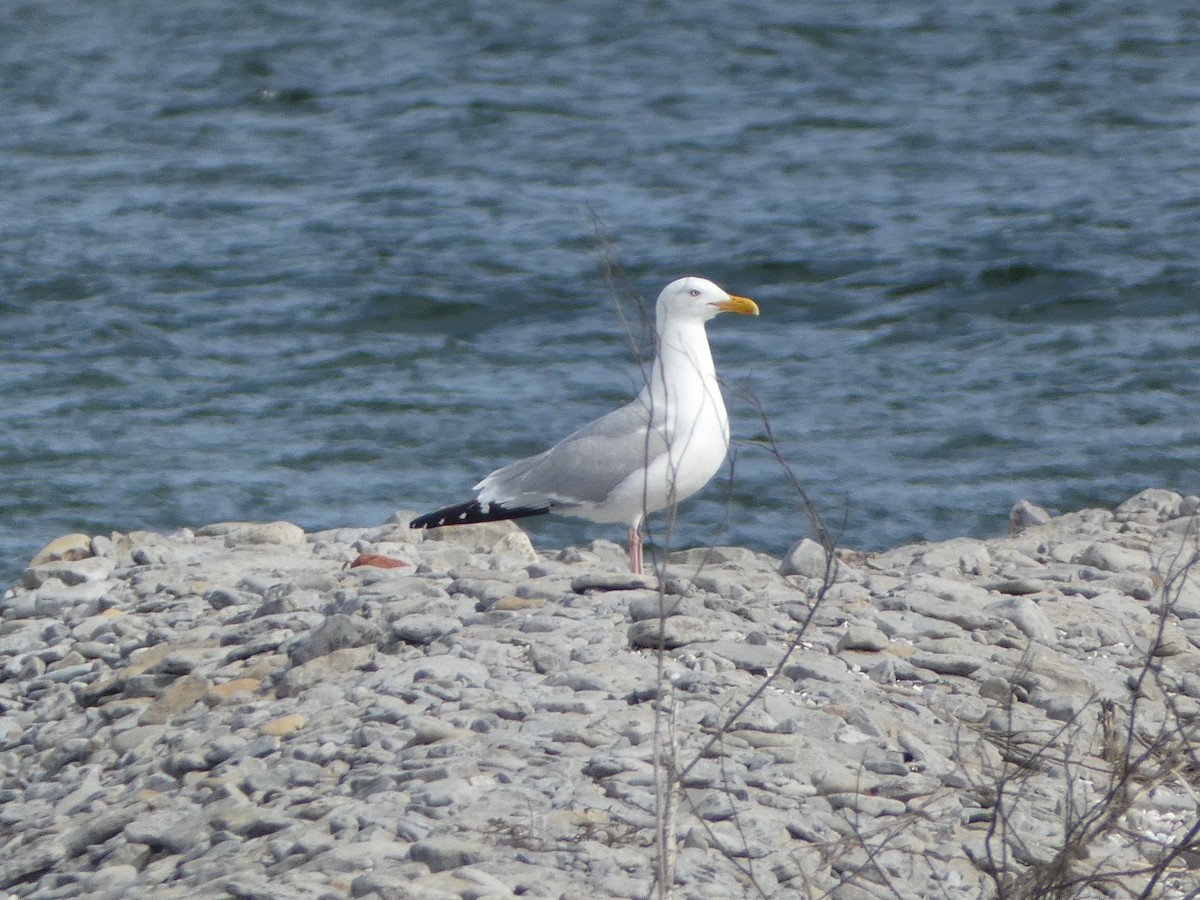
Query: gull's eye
[693, 292]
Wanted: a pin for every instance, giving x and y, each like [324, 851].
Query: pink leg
[635, 550]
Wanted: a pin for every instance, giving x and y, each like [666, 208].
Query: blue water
[319, 262]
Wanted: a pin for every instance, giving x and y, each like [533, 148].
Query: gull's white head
[699, 298]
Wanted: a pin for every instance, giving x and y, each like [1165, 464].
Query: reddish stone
[380, 562]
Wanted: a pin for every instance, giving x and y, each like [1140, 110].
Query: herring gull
[646, 456]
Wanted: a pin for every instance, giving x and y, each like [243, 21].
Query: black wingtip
[473, 513]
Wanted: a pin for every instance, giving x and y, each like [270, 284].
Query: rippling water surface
[321, 261]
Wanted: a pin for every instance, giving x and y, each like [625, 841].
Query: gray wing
[584, 467]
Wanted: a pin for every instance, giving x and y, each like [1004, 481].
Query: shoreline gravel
[240, 711]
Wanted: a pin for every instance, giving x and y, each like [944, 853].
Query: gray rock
[132, 738]
[808, 559]
[25, 638]
[1134, 584]
[963, 608]
[1027, 616]
[239, 534]
[958, 555]
[183, 660]
[1026, 515]
[945, 663]
[968, 594]
[97, 829]
[712, 806]
[109, 653]
[760, 659]
[1017, 586]
[298, 679]
[612, 581]
[221, 598]
[67, 547]
[862, 637]
[514, 551]
[888, 762]
[652, 604]
[335, 633]
[489, 591]
[489, 886]
[166, 830]
[112, 880]
[1150, 506]
[451, 668]
[1059, 707]
[54, 599]
[580, 681]
[29, 861]
[424, 629]
[250, 822]
[804, 666]
[676, 631]
[447, 852]
[702, 557]
[867, 805]
[1113, 558]
[481, 538]
[69, 572]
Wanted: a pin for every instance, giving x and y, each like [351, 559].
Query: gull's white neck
[683, 381]
[682, 352]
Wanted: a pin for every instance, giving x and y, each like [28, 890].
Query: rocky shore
[249, 711]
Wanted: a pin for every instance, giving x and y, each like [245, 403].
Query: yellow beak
[743, 305]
